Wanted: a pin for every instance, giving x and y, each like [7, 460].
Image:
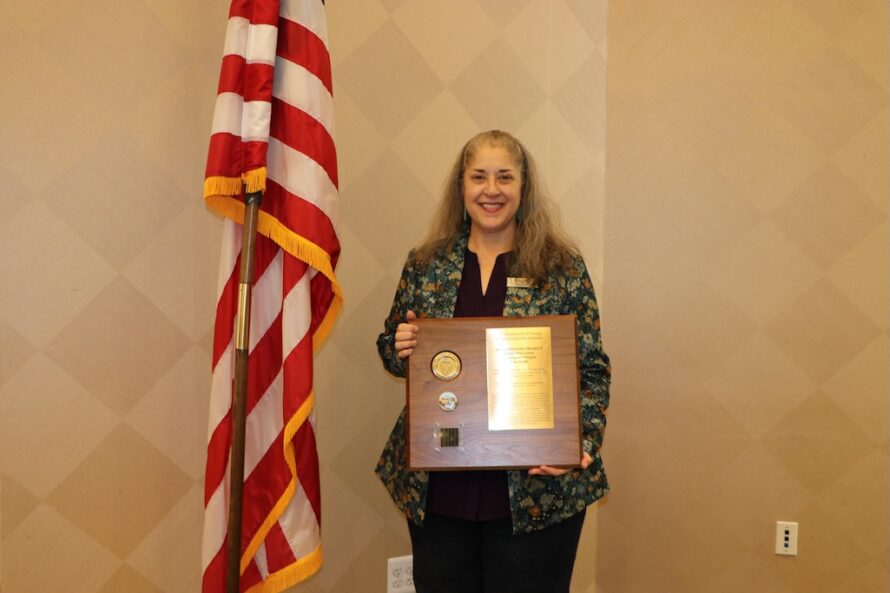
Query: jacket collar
[456, 255]
[447, 274]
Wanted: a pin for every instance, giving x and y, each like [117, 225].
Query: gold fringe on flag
[253, 181]
[222, 186]
[298, 246]
[289, 576]
[308, 565]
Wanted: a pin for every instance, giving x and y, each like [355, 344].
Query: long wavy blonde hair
[540, 243]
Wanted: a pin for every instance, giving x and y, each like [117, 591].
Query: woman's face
[492, 192]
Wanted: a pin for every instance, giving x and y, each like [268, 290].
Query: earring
[465, 214]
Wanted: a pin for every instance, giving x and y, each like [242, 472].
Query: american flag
[273, 131]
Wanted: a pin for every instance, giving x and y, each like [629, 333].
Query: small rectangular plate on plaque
[494, 393]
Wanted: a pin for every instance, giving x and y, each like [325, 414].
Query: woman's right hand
[406, 336]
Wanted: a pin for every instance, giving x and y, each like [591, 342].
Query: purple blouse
[474, 495]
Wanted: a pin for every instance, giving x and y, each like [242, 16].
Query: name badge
[520, 282]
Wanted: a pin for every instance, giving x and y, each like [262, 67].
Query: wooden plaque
[494, 393]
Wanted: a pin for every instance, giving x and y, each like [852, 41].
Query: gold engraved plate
[446, 365]
[447, 401]
[515, 282]
[520, 378]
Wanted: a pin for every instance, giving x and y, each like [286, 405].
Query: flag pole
[239, 397]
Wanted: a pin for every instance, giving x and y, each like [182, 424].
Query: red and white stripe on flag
[273, 131]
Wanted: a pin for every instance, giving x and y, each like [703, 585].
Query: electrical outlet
[786, 538]
[400, 574]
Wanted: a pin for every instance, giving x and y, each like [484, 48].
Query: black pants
[457, 556]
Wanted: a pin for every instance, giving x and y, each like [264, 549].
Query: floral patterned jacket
[430, 290]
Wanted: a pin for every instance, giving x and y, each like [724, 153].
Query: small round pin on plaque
[447, 401]
[445, 365]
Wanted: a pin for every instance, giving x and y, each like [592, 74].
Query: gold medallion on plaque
[445, 365]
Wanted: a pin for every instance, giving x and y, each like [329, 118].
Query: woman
[493, 531]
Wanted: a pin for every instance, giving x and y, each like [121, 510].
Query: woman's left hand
[546, 470]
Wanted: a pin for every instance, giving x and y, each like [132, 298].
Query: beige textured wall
[746, 279]
[109, 258]
[109, 266]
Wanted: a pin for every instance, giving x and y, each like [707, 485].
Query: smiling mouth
[490, 207]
